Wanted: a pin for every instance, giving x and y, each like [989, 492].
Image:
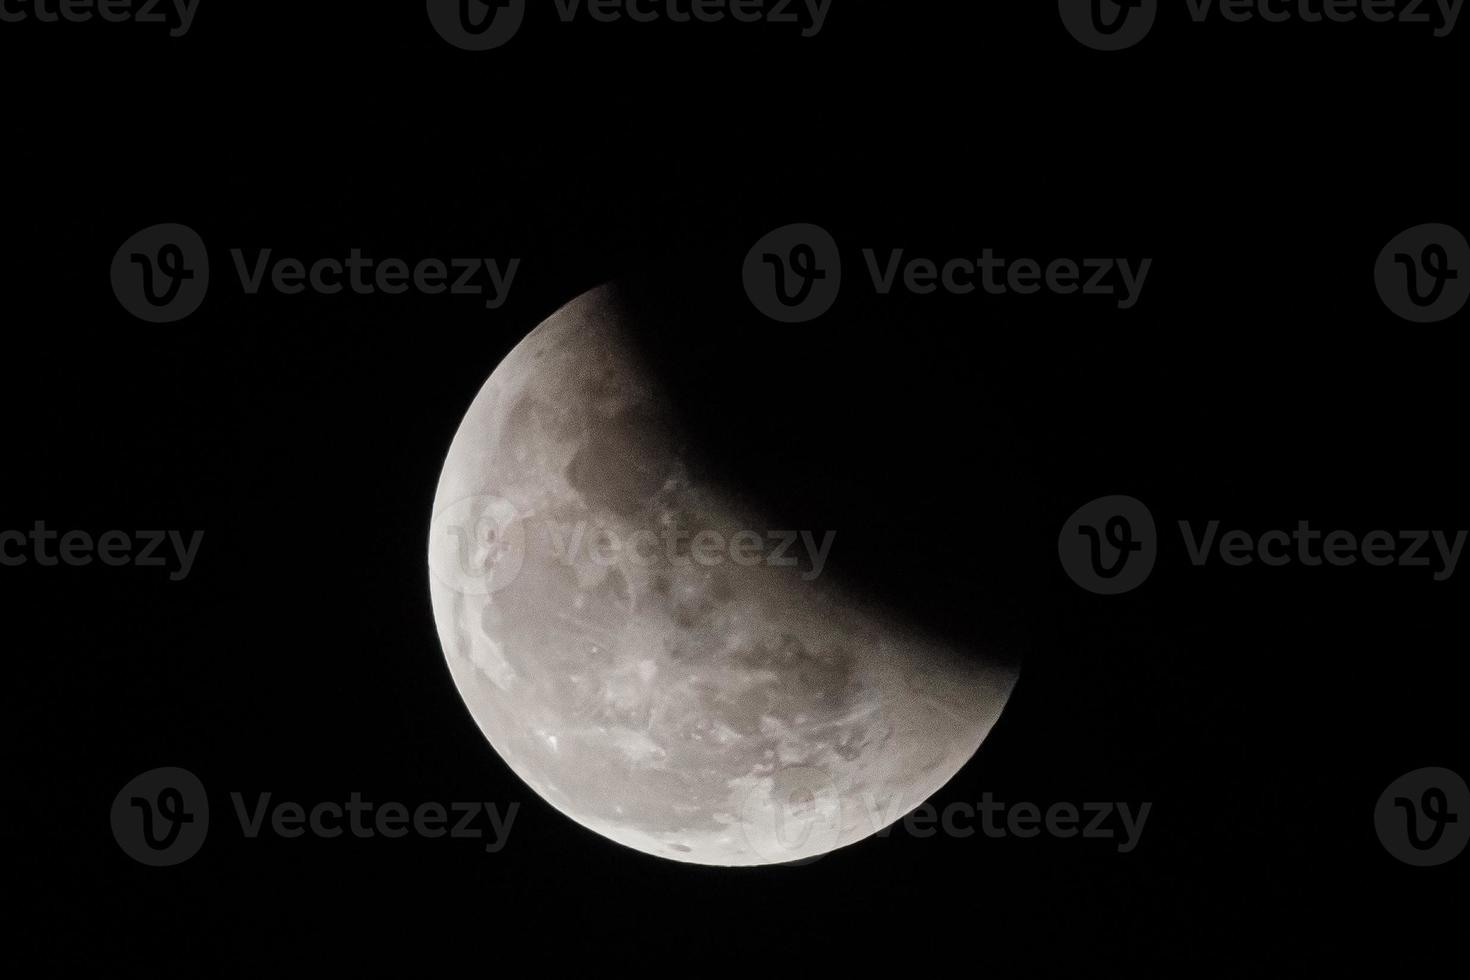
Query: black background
[1259, 381]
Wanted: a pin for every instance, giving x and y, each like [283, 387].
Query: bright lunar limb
[631, 645]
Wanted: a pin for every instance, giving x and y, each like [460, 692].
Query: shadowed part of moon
[712, 711]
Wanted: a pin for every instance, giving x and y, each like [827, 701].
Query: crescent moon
[701, 703]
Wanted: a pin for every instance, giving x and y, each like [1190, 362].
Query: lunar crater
[725, 715]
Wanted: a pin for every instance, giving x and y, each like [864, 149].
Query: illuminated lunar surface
[710, 710]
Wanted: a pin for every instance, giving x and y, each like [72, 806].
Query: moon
[640, 649]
